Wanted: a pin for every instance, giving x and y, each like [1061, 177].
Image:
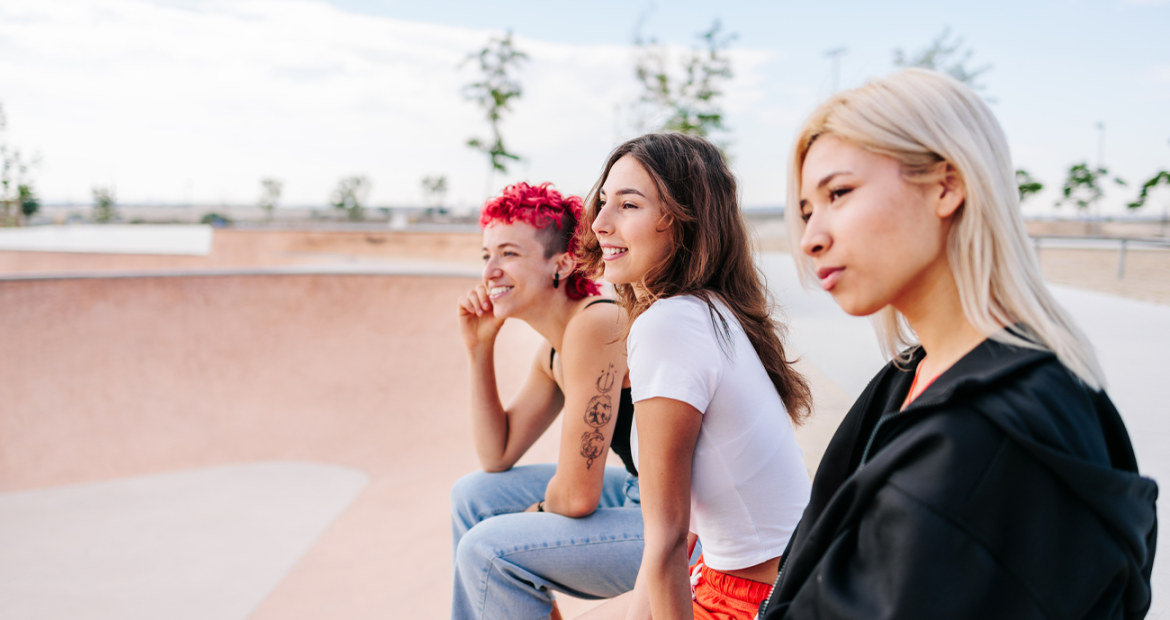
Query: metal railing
[1123, 245]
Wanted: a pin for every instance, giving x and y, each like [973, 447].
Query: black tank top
[625, 417]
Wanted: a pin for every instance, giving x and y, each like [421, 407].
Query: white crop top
[749, 485]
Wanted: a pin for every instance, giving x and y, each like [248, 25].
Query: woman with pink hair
[574, 526]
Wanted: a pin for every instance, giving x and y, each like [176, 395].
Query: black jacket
[1006, 490]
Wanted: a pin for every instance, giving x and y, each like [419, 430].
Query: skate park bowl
[266, 424]
[266, 434]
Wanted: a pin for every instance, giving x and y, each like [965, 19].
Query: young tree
[17, 198]
[945, 56]
[104, 204]
[1084, 186]
[493, 93]
[434, 191]
[350, 196]
[1027, 184]
[691, 103]
[1161, 178]
[270, 195]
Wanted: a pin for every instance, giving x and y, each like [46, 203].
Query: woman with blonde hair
[983, 473]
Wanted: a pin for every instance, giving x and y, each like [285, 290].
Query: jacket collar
[988, 362]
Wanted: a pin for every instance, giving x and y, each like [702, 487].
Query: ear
[565, 264]
[951, 192]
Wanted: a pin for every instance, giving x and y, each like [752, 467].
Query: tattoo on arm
[598, 413]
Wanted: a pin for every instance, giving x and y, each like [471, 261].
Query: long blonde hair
[923, 119]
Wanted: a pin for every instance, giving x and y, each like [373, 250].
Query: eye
[806, 216]
[838, 192]
[485, 258]
[509, 253]
[629, 205]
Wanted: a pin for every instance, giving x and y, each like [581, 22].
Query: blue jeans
[508, 562]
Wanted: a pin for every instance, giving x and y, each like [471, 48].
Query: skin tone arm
[502, 435]
[667, 433]
[594, 366]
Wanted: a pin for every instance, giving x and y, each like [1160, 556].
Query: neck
[551, 319]
[935, 311]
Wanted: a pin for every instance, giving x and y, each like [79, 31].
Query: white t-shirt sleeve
[674, 353]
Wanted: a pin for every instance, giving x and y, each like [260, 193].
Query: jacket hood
[1055, 430]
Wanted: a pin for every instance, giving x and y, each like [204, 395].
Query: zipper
[775, 584]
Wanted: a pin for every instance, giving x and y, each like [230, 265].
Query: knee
[478, 546]
[465, 489]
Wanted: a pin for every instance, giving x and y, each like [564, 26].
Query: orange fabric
[719, 596]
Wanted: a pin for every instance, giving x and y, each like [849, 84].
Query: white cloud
[199, 101]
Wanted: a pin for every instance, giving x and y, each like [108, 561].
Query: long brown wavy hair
[710, 253]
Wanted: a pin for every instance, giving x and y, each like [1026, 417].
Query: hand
[477, 323]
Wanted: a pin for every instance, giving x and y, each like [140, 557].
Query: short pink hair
[555, 216]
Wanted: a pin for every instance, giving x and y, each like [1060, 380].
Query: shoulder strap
[599, 301]
[551, 355]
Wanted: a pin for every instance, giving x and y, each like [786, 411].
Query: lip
[500, 294]
[829, 276]
[609, 257]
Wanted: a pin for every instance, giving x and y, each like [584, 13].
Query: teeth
[496, 290]
[614, 251]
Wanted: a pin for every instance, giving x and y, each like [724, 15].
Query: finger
[486, 300]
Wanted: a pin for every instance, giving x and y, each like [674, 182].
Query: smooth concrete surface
[239, 358]
[196, 544]
[187, 239]
[1132, 339]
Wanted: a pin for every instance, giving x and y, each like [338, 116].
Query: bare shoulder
[595, 329]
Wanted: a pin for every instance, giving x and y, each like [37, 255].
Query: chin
[854, 306]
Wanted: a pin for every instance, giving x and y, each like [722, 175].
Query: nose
[491, 269]
[815, 240]
[602, 224]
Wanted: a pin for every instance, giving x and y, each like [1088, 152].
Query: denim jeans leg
[508, 565]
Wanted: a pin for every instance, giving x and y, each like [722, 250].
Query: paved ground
[280, 445]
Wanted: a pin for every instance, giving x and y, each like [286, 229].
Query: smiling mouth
[610, 253]
[497, 291]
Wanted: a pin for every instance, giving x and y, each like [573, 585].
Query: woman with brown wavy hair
[713, 390]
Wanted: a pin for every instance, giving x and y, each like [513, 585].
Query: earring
[557, 279]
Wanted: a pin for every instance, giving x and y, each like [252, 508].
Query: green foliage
[29, 203]
[215, 219]
[1027, 184]
[434, 190]
[17, 198]
[104, 204]
[350, 196]
[944, 56]
[1083, 187]
[494, 93]
[1161, 178]
[270, 195]
[691, 104]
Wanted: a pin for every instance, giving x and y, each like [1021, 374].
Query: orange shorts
[719, 596]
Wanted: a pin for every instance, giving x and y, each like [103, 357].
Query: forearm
[564, 498]
[489, 420]
[667, 579]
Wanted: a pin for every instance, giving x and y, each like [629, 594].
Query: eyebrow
[503, 245]
[823, 182]
[627, 190]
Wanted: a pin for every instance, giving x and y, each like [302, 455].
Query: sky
[179, 101]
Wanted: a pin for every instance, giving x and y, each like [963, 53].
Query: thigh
[591, 557]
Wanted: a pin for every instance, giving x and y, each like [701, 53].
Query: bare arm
[502, 435]
[668, 430]
[594, 365]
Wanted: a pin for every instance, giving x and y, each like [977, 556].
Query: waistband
[730, 585]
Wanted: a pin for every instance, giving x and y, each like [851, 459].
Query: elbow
[494, 466]
[578, 508]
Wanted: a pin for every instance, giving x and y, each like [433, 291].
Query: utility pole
[835, 55]
[1100, 145]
